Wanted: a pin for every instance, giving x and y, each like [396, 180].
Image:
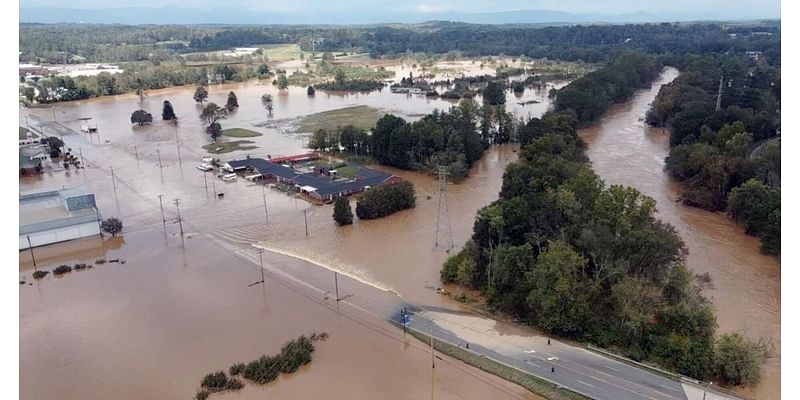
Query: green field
[239, 133]
[363, 117]
[347, 172]
[227, 147]
[282, 52]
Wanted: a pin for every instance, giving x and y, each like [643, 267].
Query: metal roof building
[56, 216]
[319, 187]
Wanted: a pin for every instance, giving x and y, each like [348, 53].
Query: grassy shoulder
[239, 133]
[362, 117]
[528, 381]
[227, 147]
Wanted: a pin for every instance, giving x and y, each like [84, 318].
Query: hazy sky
[740, 8]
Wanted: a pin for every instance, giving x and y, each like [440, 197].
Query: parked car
[204, 167]
[228, 177]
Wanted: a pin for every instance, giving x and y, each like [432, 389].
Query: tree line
[453, 139]
[565, 252]
[726, 158]
[592, 43]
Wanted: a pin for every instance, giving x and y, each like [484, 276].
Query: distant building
[316, 184]
[57, 216]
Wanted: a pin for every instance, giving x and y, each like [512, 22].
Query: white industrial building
[56, 216]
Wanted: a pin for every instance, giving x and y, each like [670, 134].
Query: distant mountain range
[182, 15]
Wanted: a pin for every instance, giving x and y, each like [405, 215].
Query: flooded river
[152, 327]
[746, 293]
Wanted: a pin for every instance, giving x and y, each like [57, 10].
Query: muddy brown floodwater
[747, 292]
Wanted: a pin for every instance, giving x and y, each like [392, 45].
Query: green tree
[342, 213]
[54, 144]
[168, 113]
[283, 82]
[200, 94]
[559, 299]
[494, 93]
[141, 117]
[210, 115]
[214, 130]
[232, 103]
[112, 226]
[311, 91]
[737, 360]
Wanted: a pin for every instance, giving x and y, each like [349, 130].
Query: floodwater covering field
[152, 327]
[192, 310]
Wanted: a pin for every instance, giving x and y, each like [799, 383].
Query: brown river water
[747, 284]
[165, 328]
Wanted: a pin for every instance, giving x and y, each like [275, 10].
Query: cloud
[429, 8]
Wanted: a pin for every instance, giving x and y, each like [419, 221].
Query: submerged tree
[342, 213]
[111, 226]
[200, 94]
[233, 102]
[141, 117]
[167, 112]
[211, 114]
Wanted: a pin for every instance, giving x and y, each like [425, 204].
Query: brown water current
[746, 284]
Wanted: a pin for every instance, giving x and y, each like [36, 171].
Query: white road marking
[529, 351]
[667, 387]
[587, 384]
[611, 368]
[533, 363]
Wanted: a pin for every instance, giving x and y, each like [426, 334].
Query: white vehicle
[204, 167]
[228, 177]
[208, 160]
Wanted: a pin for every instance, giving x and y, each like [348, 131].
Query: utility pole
[214, 188]
[161, 205]
[305, 218]
[80, 152]
[336, 282]
[719, 95]
[266, 212]
[180, 222]
[158, 151]
[114, 181]
[447, 230]
[178, 144]
[205, 181]
[30, 247]
[261, 264]
[433, 358]
[136, 152]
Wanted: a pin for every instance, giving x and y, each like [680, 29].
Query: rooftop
[50, 210]
[324, 186]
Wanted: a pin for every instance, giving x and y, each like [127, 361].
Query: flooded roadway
[746, 293]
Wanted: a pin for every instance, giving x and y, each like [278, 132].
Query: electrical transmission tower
[719, 95]
[443, 221]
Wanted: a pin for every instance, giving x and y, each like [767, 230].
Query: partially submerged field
[362, 117]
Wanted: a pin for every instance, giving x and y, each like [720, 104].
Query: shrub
[236, 369]
[234, 384]
[342, 213]
[295, 354]
[385, 200]
[215, 381]
[202, 395]
[737, 360]
[39, 274]
[263, 370]
[112, 226]
[62, 269]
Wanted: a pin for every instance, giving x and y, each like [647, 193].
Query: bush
[62, 269]
[202, 395]
[215, 381]
[342, 213]
[39, 274]
[737, 360]
[112, 226]
[236, 369]
[385, 200]
[141, 117]
[234, 384]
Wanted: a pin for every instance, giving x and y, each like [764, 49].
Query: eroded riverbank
[746, 284]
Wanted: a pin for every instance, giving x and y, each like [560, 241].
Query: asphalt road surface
[583, 371]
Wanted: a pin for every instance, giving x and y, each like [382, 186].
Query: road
[591, 374]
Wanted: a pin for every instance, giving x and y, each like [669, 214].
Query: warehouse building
[56, 216]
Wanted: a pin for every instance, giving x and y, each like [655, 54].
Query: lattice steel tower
[443, 226]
